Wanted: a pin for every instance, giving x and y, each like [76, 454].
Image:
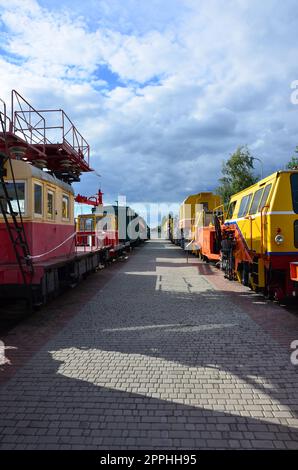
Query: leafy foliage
[237, 174]
[293, 163]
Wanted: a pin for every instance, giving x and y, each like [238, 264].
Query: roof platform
[46, 138]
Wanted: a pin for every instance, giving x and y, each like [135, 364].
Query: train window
[65, 207]
[256, 201]
[15, 193]
[244, 205]
[50, 205]
[294, 187]
[89, 225]
[37, 199]
[231, 209]
[265, 196]
[296, 233]
[81, 224]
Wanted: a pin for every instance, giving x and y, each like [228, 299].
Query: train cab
[98, 229]
[46, 207]
[195, 214]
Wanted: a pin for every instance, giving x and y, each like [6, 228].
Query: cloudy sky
[163, 90]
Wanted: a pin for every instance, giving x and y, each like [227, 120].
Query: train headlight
[279, 239]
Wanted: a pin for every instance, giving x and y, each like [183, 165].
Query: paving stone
[166, 354]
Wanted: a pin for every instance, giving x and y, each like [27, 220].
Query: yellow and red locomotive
[260, 236]
[256, 240]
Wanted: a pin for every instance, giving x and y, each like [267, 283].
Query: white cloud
[50, 44]
[190, 84]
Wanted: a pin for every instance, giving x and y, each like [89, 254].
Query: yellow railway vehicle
[165, 226]
[191, 214]
[260, 236]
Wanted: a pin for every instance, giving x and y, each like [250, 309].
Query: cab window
[256, 201]
[231, 209]
[15, 193]
[37, 199]
[65, 207]
[264, 197]
[244, 205]
[89, 225]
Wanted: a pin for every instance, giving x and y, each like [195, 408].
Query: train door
[263, 208]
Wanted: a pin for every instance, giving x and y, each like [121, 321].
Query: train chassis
[58, 276]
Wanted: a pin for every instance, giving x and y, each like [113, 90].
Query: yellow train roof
[261, 182]
[194, 197]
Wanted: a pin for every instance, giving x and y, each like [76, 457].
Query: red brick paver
[163, 355]
[23, 341]
[281, 324]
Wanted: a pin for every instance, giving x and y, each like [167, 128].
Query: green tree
[237, 174]
[293, 163]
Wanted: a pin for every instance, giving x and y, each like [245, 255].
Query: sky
[163, 90]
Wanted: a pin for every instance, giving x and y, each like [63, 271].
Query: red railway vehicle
[41, 154]
[98, 229]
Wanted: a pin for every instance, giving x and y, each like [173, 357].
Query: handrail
[262, 229]
[69, 133]
[249, 217]
[220, 208]
[217, 207]
[5, 120]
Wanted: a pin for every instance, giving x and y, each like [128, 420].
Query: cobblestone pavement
[164, 355]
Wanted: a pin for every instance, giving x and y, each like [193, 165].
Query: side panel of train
[264, 223]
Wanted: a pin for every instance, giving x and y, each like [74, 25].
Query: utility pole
[262, 166]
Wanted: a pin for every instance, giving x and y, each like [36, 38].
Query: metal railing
[60, 129]
[45, 127]
[26, 121]
[5, 121]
